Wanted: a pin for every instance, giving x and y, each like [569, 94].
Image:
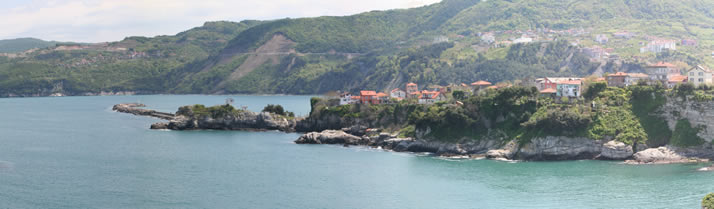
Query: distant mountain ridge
[441, 43]
[23, 44]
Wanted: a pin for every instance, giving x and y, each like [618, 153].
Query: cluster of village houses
[571, 87]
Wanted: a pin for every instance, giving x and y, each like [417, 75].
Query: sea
[75, 152]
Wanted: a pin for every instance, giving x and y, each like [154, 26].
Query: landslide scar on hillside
[272, 50]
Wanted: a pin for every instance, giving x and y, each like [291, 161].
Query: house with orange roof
[382, 97]
[676, 80]
[479, 85]
[431, 97]
[549, 92]
[368, 97]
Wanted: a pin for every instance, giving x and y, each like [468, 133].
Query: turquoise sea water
[74, 152]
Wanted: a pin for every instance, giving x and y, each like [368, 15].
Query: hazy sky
[112, 20]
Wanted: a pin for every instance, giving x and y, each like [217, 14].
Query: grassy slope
[393, 46]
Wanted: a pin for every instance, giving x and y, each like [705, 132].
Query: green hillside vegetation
[143, 65]
[520, 113]
[379, 50]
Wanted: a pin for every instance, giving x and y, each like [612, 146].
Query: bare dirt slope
[272, 51]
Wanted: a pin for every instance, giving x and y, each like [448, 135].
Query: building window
[701, 74]
[691, 79]
[701, 80]
[692, 73]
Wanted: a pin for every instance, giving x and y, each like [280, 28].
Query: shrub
[277, 109]
[708, 201]
[684, 89]
[459, 95]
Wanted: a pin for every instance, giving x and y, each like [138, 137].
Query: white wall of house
[346, 99]
[698, 76]
[568, 90]
[398, 94]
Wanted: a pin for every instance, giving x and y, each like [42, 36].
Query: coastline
[549, 148]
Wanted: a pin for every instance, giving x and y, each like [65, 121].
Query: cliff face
[699, 114]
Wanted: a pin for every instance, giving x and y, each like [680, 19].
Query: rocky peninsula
[508, 124]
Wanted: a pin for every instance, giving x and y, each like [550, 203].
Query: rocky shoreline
[549, 148]
[539, 149]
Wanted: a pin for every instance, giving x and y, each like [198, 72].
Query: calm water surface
[74, 152]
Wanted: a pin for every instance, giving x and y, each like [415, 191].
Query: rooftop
[481, 83]
[548, 91]
[662, 64]
[367, 93]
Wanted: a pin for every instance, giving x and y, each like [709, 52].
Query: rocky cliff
[700, 114]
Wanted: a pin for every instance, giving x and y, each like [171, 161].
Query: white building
[658, 46]
[346, 98]
[601, 38]
[699, 75]
[398, 94]
[431, 97]
[488, 38]
[522, 40]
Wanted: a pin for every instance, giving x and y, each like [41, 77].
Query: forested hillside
[454, 41]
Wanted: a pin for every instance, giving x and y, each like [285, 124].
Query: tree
[708, 201]
[594, 89]
[459, 95]
[277, 109]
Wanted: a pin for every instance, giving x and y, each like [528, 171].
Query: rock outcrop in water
[670, 154]
[187, 119]
[242, 121]
[136, 109]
